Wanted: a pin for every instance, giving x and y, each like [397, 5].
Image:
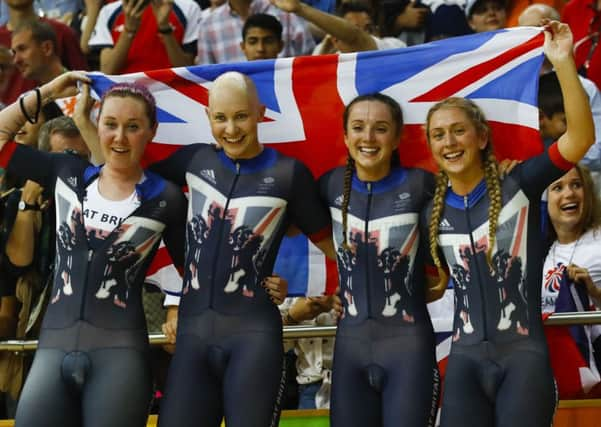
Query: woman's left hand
[559, 42]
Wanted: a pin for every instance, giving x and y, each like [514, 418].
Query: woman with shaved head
[242, 197]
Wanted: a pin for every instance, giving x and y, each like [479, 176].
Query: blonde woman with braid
[384, 368]
[487, 233]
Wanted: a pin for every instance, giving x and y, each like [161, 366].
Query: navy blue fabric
[384, 344]
[229, 356]
[498, 371]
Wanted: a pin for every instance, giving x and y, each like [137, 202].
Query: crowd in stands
[41, 39]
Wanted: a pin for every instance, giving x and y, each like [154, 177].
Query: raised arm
[580, 133]
[176, 53]
[357, 39]
[113, 59]
[13, 117]
[87, 129]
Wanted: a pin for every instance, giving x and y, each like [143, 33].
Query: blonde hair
[491, 176]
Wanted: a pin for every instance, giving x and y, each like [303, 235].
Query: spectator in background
[35, 55]
[515, 8]
[551, 100]
[219, 38]
[261, 37]
[67, 45]
[212, 6]
[584, 18]
[35, 51]
[61, 135]
[135, 36]
[486, 15]
[88, 17]
[313, 355]
[447, 20]
[6, 70]
[572, 280]
[345, 36]
[403, 19]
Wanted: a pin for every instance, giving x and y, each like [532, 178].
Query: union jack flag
[305, 97]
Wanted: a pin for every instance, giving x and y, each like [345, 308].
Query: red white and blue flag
[305, 97]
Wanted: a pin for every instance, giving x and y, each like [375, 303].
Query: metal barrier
[291, 332]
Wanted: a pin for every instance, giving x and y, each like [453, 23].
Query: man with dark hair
[552, 117]
[219, 38]
[261, 37]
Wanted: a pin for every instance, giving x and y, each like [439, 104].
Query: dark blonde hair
[491, 176]
[397, 119]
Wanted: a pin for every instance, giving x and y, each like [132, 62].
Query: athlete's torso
[378, 272]
[98, 281]
[501, 302]
[238, 212]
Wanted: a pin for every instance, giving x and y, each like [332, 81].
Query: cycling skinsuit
[229, 356]
[384, 369]
[92, 365]
[498, 371]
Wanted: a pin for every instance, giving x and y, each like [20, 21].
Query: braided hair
[491, 177]
[397, 118]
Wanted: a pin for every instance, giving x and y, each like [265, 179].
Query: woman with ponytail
[384, 368]
[486, 232]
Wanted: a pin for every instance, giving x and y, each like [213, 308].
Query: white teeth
[120, 150]
[233, 141]
[368, 149]
[453, 155]
[570, 206]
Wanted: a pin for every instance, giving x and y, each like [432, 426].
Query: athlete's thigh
[353, 401]
[410, 397]
[118, 390]
[253, 380]
[464, 403]
[528, 396]
[192, 392]
[45, 400]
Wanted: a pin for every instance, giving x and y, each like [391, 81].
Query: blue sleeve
[28, 163]
[175, 233]
[174, 167]
[537, 173]
[305, 207]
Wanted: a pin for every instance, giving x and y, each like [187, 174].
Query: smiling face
[565, 198]
[234, 115]
[371, 136]
[124, 129]
[30, 56]
[457, 145]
